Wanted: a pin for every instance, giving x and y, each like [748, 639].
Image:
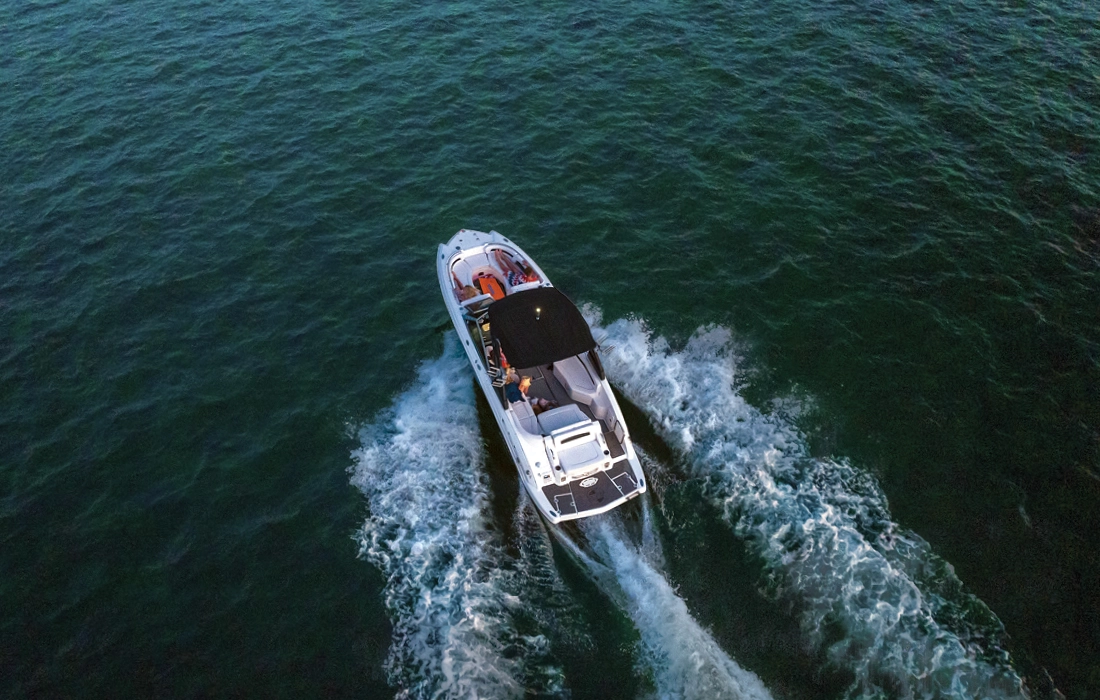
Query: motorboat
[567, 435]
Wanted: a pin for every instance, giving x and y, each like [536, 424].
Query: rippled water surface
[848, 256]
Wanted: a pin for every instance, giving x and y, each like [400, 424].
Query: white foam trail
[822, 527]
[685, 661]
[651, 547]
[449, 588]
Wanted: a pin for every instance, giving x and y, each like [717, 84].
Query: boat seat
[505, 261]
[580, 449]
[580, 384]
[561, 417]
[526, 417]
[466, 269]
[473, 301]
[526, 285]
[581, 459]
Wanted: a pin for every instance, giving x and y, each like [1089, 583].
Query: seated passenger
[467, 292]
[515, 273]
[512, 391]
[517, 391]
[517, 278]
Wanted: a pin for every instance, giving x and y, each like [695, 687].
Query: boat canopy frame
[538, 327]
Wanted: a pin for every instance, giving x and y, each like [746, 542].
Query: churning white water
[869, 591]
[450, 590]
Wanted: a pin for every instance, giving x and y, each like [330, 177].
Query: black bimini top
[539, 326]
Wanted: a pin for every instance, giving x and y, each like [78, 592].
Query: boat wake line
[450, 590]
[871, 595]
[458, 601]
[684, 659]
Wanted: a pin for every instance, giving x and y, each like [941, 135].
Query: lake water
[847, 256]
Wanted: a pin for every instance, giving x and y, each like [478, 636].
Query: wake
[457, 601]
[450, 591]
[683, 658]
[871, 595]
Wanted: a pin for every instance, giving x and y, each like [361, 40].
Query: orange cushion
[490, 286]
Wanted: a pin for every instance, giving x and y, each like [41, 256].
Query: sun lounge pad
[467, 268]
[562, 417]
[581, 458]
[489, 285]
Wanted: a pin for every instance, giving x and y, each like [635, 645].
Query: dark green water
[217, 286]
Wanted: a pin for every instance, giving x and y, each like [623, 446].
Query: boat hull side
[526, 450]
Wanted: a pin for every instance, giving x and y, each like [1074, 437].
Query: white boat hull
[576, 460]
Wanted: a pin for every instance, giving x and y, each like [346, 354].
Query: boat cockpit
[535, 330]
[487, 275]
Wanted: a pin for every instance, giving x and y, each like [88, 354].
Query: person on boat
[467, 292]
[517, 391]
[515, 273]
[516, 278]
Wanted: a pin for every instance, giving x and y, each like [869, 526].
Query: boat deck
[608, 487]
[602, 488]
[544, 385]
